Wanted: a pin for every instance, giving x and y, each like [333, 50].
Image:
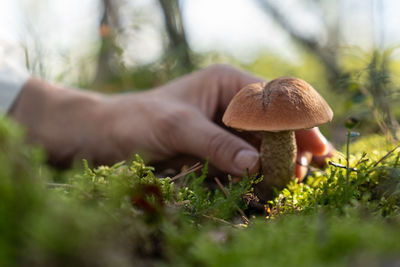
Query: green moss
[373, 182]
[122, 215]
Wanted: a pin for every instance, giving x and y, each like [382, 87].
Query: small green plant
[350, 124]
[341, 185]
[122, 215]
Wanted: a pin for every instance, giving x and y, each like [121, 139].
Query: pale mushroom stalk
[278, 161]
[277, 109]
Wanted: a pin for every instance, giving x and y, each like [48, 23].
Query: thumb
[229, 153]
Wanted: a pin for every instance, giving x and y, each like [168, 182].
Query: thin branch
[362, 159]
[327, 57]
[193, 168]
[176, 32]
[310, 168]
[337, 165]
[244, 217]
[218, 220]
[384, 157]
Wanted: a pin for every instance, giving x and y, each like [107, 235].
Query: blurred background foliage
[346, 49]
[359, 79]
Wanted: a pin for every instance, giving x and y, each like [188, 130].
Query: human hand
[312, 146]
[181, 117]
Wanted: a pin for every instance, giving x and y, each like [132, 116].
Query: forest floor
[123, 215]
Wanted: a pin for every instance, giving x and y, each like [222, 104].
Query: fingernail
[302, 166]
[246, 159]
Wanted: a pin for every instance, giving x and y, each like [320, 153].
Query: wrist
[60, 119]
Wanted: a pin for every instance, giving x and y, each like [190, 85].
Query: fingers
[303, 160]
[320, 161]
[312, 146]
[313, 141]
[229, 81]
[229, 153]
[210, 89]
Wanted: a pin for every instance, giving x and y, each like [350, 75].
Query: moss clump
[122, 215]
[374, 182]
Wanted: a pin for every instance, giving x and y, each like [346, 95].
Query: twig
[218, 220]
[193, 168]
[309, 167]
[384, 157]
[337, 165]
[244, 217]
[362, 159]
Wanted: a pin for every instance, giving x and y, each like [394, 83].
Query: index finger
[230, 81]
[313, 141]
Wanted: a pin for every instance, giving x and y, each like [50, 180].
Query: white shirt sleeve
[12, 79]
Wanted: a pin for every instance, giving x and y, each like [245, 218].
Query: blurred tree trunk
[178, 48]
[378, 75]
[108, 28]
[326, 53]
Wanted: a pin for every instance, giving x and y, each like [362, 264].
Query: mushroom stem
[278, 162]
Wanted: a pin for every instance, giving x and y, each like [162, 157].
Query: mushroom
[276, 109]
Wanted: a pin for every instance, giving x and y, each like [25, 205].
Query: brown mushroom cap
[286, 103]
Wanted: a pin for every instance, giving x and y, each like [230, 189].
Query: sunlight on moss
[122, 215]
[374, 162]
